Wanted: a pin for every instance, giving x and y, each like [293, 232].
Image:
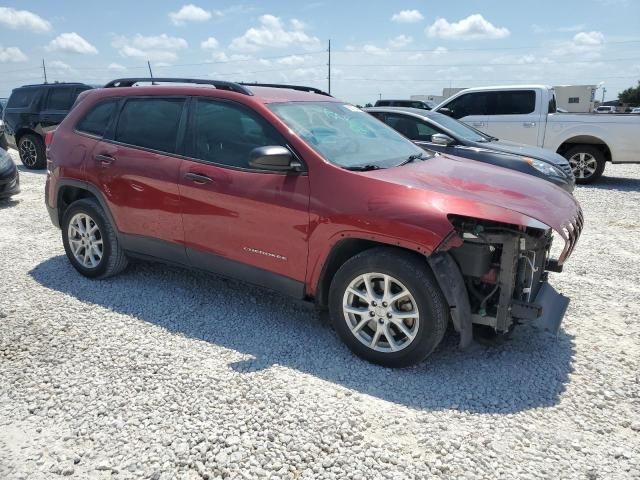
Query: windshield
[345, 135]
[460, 129]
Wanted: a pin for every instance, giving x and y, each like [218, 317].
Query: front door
[240, 221]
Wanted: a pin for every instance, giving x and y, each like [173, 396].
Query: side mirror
[274, 158]
[446, 111]
[442, 139]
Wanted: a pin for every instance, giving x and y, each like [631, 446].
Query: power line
[483, 64]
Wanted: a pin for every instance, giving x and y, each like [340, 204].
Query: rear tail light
[48, 137]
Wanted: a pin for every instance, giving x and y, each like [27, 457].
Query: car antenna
[150, 72]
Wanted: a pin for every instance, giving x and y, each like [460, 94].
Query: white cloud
[72, 43]
[291, 60]
[568, 28]
[210, 43]
[273, 33]
[440, 51]
[373, 50]
[474, 27]
[59, 65]
[116, 67]
[190, 13]
[23, 19]
[407, 16]
[223, 57]
[400, 41]
[158, 48]
[586, 43]
[161, 64]
[12, 55]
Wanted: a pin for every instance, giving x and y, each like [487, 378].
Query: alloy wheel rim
[28, 152]
[583, 165]
[381, 312]
[85, 240]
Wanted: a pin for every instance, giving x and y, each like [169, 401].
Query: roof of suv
[263, 93]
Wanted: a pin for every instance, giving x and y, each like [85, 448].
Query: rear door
[470, 108]
[240, 221]
[57, 102]
[514, 115]
[136, 167]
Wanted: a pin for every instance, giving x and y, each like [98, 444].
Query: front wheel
[387, 307]
[587, 163]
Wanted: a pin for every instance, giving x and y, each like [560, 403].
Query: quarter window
[225, 133]
[60, 98]
[96, 121]
[574, 99]
[21, 98]
[150, 123]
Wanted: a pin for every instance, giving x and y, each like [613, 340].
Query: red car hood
[455, 185]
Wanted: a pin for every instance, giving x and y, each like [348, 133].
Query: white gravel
[164, 373]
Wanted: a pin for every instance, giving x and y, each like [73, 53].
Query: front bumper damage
[498, 276]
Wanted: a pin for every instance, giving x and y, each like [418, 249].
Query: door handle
[104, 159]
[198, 178]
[529, 124]
[477, 124]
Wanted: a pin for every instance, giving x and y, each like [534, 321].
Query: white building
[576, 98]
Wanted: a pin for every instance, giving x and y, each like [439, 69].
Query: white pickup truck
[527, 114]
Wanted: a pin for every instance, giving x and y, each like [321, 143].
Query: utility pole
[150, 72]
[44, 70]
[329, 67]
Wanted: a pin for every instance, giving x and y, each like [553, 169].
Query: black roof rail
[219, 84]
[52, 84]
[291, 87]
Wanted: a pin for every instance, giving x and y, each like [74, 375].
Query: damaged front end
[495, 274]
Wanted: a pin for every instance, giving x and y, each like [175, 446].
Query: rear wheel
[587, 163]
[90, 241]
[387, 307]
[32, 151]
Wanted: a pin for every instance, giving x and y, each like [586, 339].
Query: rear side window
[150, 123]
[515, 102]
[97, 119]
[225, 133]
[21, 98]
[60, 98]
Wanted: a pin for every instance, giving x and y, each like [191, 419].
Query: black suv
[31, 111]
[403, 103]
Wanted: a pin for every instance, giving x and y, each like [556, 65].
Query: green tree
[368, 105]
[630, 95]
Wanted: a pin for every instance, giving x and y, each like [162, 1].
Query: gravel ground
[163, 373]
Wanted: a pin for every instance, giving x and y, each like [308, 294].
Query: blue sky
[393, 49]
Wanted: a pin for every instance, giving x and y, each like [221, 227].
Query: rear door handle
[477, 124]
[105, 159]
[198, 178]
[529, 124]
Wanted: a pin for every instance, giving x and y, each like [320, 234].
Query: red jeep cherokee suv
[291, 189]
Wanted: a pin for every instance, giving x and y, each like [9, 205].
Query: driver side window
[411, 127]
[467, 105]
[225, 133]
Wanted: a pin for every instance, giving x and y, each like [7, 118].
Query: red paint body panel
[141, 190]
[241, 213]
[300, 217]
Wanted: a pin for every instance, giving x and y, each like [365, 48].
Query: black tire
[113, 259]
[32, 151]
[3, 142]
[414, 273]
[578, 171]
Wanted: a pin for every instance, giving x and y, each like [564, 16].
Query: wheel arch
[342, 251]
[22, 131]
[68, 191]
[590, 140]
